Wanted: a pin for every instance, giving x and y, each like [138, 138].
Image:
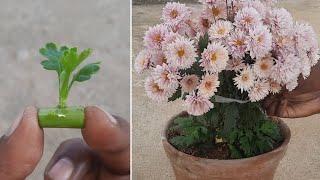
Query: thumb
[21, 147]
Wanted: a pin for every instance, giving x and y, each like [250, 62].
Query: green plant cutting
[66, 62]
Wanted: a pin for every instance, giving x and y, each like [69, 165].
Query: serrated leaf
[53, 56]
[234, 152]
[203, 42]
[70, 60]
[231, 114]
[176, 95]
[86, 72]
[50, 65]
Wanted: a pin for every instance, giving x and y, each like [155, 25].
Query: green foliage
[176, 95]
[203, 42]
[248, 142]
[191, 130]
[86, 72]
[65, 61]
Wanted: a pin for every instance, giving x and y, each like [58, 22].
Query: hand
[103, 154]
[301, 102]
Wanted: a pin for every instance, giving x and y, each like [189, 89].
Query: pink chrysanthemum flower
[154, 37]
[214, 58]
[292, 85]
[286, 69]
[284, 44]
[306, 42]
[181, 53]
[262, 67]
[175, 13]
[247, 18]
[169, 38]
[142, 61]
[166, 77]
[155, 92]
[185, 29]
[189, 83]
[220, 29]
[280, 21]
[236, 65]
[209, 84]
[216, 11]
[260, 42]
[237, 44]
[245, 80]
[259, 91]
[197, 104]
[274, 87]
[158, 58]
[203, 24]
[257, 5]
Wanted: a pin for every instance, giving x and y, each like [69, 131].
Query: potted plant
[222, 65]
[65, 61]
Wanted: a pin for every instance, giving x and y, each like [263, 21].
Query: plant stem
[64, 90]
[70, 117]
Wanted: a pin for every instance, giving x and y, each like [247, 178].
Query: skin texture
[301, 102]
[103, 153]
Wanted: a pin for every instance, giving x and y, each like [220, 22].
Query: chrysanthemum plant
[222, 65]
[65, 61]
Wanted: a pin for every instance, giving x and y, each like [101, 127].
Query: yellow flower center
[214, 57]
[248, 20]
[205, 23]
[245, 77]
[181, 53]
[239, 42]
[174, 14]
[215, 11]
[264, 66]
[189, 82]
[156, 88]
[165, 75]
[208, 85]
[221, 31]
[157, 38]
[260, 39]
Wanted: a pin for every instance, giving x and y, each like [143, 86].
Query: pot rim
[285, 130]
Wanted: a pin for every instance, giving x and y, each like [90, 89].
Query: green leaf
[53, 56]
[234, 152]
[231, 114]
[176, 95]
[271, 129]
[70, 60]
[203, 42]
[86, 72]
[50, 65]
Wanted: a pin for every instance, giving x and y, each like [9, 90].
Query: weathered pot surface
[261, 167]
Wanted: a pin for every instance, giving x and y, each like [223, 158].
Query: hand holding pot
[103, 154]
[301, 102]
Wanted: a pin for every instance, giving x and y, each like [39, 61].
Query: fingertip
[102, 130]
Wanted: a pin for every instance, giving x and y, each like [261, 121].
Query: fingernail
[14, 125]
[62, 170]
[110, 117]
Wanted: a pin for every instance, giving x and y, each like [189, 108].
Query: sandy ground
[29, 24]
[302, 160]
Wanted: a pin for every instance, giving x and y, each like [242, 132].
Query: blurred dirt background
[27, 25]
[302, 160]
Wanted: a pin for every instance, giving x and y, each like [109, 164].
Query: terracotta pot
[261, 167]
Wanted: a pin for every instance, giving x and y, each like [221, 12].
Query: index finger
[109, 137]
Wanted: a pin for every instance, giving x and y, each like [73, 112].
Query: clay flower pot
[260, 167]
